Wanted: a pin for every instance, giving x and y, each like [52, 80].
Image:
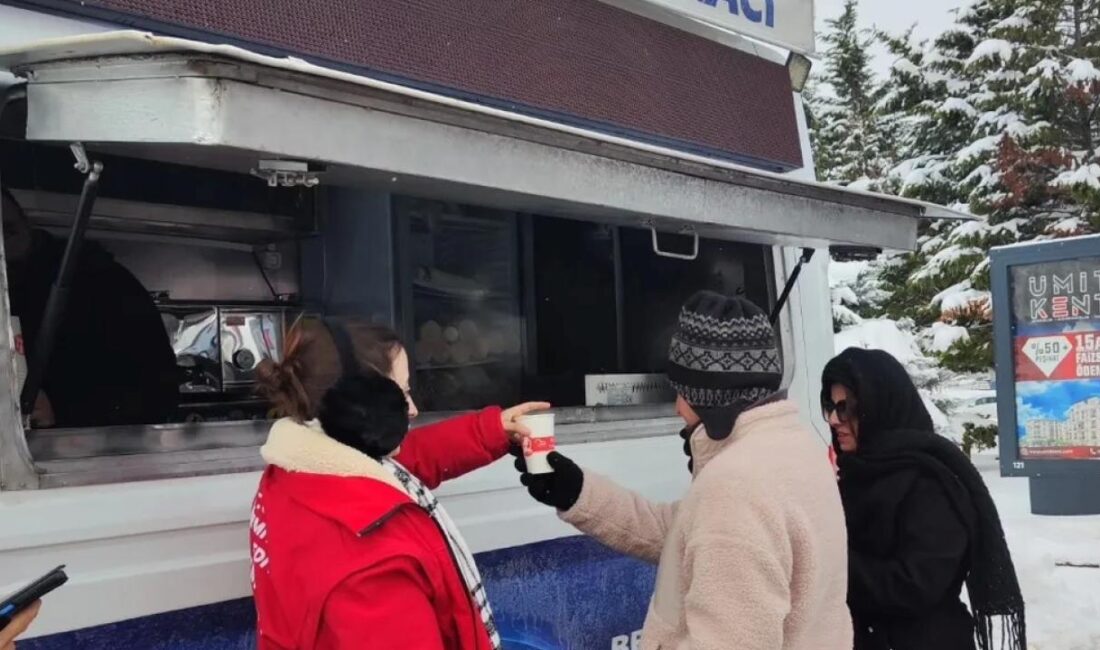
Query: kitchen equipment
[219, 347]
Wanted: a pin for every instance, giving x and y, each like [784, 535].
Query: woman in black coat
[921, 523]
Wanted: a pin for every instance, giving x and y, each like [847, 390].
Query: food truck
[526, 191]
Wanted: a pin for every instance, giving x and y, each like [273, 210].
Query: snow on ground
[1063, 604]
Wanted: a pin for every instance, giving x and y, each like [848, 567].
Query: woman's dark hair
[311, 364]
[367, 412]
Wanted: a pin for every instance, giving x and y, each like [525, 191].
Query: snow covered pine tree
[998, 115]
[850, 148]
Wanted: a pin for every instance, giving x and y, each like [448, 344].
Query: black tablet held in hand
[23, 598]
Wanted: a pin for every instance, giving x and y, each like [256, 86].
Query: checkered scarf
[462, 555]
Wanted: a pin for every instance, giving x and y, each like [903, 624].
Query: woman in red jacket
[349, 547]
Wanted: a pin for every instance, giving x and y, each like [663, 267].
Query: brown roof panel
[581, 62]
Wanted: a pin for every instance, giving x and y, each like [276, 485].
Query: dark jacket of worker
[113, 361]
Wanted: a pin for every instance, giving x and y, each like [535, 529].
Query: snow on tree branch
[994, 48]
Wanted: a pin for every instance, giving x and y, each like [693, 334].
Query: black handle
[807, 255]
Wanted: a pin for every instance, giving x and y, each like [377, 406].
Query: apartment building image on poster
[1074, 434]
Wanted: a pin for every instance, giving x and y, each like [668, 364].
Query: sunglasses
[844, 410]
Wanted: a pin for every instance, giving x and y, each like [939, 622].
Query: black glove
[559, 489]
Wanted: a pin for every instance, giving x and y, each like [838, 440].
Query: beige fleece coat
[754, 557]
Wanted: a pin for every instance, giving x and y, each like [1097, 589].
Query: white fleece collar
[298, 447]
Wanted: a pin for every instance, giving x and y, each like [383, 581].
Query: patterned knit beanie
[723, 359]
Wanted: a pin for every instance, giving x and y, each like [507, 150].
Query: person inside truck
[350, 549]
[112, 363]
[753, 557]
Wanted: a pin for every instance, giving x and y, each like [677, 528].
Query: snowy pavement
[1063, 604]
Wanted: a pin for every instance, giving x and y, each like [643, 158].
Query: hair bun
[367, 412]
[279, 384]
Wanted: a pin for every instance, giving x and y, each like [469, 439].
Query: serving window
[496, 306]
[503, 307]
[185, 281]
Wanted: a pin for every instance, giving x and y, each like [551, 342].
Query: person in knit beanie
[753, 556]
[723, 358]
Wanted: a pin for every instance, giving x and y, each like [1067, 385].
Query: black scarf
[991, 582]
[896, 433]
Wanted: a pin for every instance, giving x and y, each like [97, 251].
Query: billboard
[1046, 299]
[1056, 311]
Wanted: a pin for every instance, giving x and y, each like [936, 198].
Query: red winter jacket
[342, 557]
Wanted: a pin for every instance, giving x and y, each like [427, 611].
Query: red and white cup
[540, 443]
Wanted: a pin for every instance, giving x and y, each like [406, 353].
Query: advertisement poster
[1056, 314]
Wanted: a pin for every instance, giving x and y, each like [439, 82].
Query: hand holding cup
[511, 419]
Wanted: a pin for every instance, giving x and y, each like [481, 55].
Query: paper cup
[540, 444]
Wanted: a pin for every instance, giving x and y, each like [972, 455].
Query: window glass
[462, 265]
[654, 288]
[550, 307]
[573, 292]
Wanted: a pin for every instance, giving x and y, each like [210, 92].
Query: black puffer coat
[910, 526]
[113, 362]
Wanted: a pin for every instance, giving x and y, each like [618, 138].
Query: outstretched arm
[448, 449]
[620, 518]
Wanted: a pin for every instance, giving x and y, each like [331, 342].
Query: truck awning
[216, 106]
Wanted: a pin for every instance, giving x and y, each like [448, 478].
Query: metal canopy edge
[133, 89]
